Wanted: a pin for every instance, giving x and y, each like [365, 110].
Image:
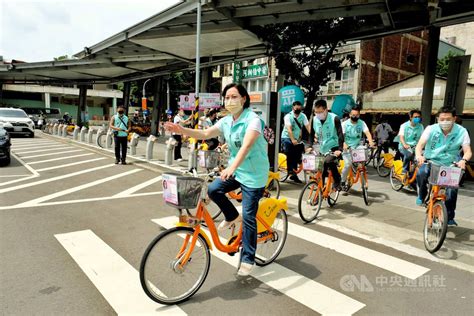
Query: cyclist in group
[248, 166]
[291, 138]
[328, 132]
[409, 135]
[442, 142]
[353, 128]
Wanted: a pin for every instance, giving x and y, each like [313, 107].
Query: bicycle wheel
[283, 174]
[332, 198]
[273, 189]
[365, 189]
[435, 234]
[376, 158]
[382, 169]
[309, 201]
[101, 139]
[161, 275]
[395, 180]
[268, 250]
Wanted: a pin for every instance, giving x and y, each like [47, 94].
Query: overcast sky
[39, 30]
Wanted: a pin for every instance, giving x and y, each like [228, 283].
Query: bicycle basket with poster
[181, 192]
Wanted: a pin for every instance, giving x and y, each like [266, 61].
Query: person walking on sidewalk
[181, 120]
[120, 124]
[247, 170]
[291, 138]
[442, 142]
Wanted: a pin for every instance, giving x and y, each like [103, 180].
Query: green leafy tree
[305, 52]
[443, 64]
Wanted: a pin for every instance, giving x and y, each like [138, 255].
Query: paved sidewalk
[392, 218]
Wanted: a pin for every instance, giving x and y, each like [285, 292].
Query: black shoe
[124, 162]
[337, 187]
[117, 162]
[295, 178]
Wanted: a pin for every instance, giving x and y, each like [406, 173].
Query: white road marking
[35, 174]
[78, 188]
[52, 148]
[60, 158]
[115, 278]
[71, 164]
[16, 175]
[138, 187]
[33, 145]
[26, 185]
[52, 154]
[312, 294]
[106, 198]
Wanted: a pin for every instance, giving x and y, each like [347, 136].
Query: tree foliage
[305, 51]
[442, 65]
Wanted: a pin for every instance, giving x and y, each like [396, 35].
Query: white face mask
[446, 125]
[233, 106]
[321, 116]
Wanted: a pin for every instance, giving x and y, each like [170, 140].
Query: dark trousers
[293, 154]
[120, 147]
[331, 162]
[177, 148]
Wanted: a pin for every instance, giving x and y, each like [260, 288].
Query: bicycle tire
[395, 181]
[101, 139]
[302, 201]
[214, 211]
[376, 158]
[280, 223]
[365, 189]
[163, 294]
[441, 227]
[283, 174]
[382, 170]
[273, 189]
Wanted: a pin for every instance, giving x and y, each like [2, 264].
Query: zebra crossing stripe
[115, 278]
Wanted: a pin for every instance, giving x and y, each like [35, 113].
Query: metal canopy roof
[165, 42]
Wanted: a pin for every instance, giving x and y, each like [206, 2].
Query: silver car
[16, 121]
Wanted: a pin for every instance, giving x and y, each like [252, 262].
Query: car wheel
[32, 135]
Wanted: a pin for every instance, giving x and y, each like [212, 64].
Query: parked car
[46, 114]
[4, 146]
[21, 124]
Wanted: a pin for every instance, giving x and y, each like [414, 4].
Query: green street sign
[255, 71]
[238, 72]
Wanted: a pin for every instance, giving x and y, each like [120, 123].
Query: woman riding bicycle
[247, 169]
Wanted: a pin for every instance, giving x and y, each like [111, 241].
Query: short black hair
[242, 91]
[414, 112]
[356, 108]
[211, 112]
[321, 104]
[447, 109]
[297, 103]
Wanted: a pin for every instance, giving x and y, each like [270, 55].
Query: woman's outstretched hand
[172, 127]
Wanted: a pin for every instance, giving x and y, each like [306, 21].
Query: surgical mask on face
[354, 118]
[233, 106]
[417, 120]
[321, 116]
[120, 112]
[297, 111]
[446, 125]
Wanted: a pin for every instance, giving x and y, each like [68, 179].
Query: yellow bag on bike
[398, 166]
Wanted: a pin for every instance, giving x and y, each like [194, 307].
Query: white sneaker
[245, 269]
[179, 159]
[226, 225]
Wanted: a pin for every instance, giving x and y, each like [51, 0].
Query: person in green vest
[353, 128]
[120, 124]
[442, 142]
[328, 133]
[291, 136]
[247, 169]
[408, 136]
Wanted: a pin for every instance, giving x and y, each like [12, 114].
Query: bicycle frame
[327, 188]
[435, 196]
[203, 214]
[360, 170]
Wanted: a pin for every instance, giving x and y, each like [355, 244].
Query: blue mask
[417, 120]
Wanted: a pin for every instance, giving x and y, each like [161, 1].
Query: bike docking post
[134, 143]
[64, 131]
[170, 144]
[55, 129]
[60, 129]
[150, 141]
[192, 160]
[108, 141]
[90, 133]
[75, 134]
[82, 133]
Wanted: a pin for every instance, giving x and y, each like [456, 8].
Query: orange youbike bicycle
[359, 156]
[316, 190]
[436, 220]
[176, 263]
[398, 179]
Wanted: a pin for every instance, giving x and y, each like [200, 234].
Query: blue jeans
[422, 183]
[217, 192]
[293, 154]
[408, 156]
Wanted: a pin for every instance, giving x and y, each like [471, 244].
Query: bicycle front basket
[209, 159]
[445, 176]
[181, 191]
[312, 162]
[359, 155]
